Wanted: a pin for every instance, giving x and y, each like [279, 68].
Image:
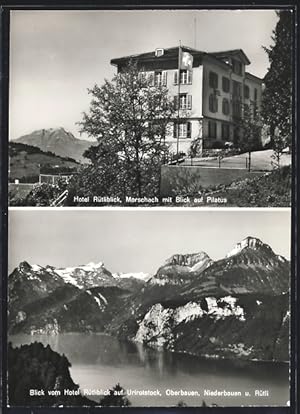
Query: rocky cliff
[236, 306]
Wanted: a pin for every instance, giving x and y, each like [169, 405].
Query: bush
[218, 145]
[42, 195]
[270, 190]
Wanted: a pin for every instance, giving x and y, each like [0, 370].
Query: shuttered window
[236, 109]
[165, 74]
[225, 106]
[212, 129]
[185, 101]
[160, 78]
[236, 91]
[151, 78]
[225, 84]
[255, 94]
[225, 132]
[185, 130]
[246, 92]
[213, 80]
[185, 77]
[213, 103]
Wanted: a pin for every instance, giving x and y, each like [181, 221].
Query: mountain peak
[57, 140]
[249, 243]
[186, 259]
[24, 266]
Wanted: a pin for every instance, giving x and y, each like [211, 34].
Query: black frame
[5, 9]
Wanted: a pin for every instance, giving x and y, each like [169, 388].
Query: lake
[100, 361]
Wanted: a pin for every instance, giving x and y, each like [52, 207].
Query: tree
[130, 117]
[115, 398]
[249, 131]
[279, 145]
[277, 96]
[103, 176]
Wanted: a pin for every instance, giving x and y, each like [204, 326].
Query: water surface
[99, 362]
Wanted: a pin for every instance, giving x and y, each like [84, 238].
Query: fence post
[246, 163]
[219, 159]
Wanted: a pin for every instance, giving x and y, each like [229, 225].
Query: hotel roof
[172, 53]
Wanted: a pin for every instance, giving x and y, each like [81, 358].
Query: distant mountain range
[237, 306]
[58, 141]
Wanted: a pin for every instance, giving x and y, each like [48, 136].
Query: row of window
[236, 106]
[236, 86]
[184, 130]
[185, 102]
[212, 130]
[213, 104]
[159, 77]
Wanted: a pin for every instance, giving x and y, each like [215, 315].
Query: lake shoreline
[160, 349]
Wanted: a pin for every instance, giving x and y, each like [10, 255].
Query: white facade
[210, 95]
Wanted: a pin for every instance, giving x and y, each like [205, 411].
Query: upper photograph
[147, 108]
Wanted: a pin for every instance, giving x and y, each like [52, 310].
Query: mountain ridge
[191, 304]
[58, 141]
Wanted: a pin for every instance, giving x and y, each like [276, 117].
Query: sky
[55, 56]
[137, 240]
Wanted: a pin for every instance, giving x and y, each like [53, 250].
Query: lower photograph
[149, 308]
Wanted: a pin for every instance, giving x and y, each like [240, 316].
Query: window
[213, 103]
[236, 135]
[159, 52]
[255, 94]
[225, 84]
[212, 129]
[160, 78]
[185, 101]
[142, 76]
[185, 77]
[236, 109]
[225, 106]
[213, 80]
[237, 67]
[246, 92]
[151, 77]
[185, 129]
[225, 132]
[236, 89]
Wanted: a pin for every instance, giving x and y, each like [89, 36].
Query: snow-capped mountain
[85, 276]
[28, 283]
[135, 275]
[237, 306]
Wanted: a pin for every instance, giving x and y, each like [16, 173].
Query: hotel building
[212, 94]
